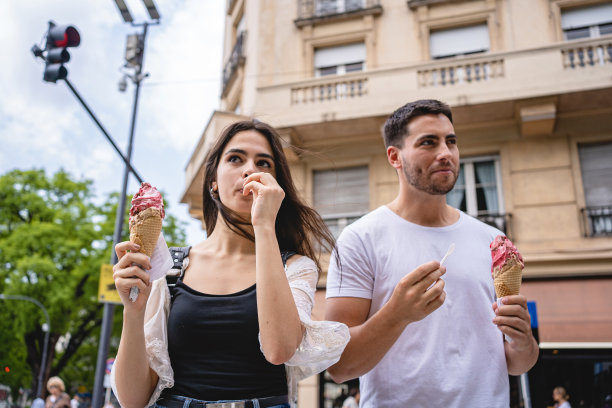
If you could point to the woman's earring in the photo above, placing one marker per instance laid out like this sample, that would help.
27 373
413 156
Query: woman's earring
212 191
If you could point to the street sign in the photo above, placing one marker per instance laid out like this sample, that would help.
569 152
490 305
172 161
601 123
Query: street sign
106 289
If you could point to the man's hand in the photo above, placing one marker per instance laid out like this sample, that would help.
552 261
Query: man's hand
419 293
513 319
415 296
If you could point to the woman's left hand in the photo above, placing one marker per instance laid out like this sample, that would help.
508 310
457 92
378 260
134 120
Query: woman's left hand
267 198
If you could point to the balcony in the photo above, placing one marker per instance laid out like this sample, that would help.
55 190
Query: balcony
342 87
317 11
236 60
597 221
474 80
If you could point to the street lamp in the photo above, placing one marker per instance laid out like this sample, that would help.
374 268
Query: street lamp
134 57
46 327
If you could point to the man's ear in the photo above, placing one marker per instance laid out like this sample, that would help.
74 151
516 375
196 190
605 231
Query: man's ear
393 156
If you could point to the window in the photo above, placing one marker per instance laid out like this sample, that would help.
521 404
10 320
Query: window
596 168
325 7
341 196
459 41
339 60
478 190
587 22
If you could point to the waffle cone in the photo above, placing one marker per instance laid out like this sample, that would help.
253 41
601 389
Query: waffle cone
145 228
507 280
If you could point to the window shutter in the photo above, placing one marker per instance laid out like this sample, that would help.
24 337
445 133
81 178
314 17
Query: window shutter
340 55
342 192
586 16
456 41
596 166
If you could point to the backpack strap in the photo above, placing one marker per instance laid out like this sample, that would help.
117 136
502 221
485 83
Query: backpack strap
285 255
178 255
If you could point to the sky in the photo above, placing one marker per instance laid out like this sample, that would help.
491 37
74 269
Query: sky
43 126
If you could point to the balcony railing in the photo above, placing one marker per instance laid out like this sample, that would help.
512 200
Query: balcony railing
597 220
587 55
499 221
455 73
310 11
336 89
237 58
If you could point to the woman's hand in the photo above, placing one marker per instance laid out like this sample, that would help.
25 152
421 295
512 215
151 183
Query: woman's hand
131 270
267 198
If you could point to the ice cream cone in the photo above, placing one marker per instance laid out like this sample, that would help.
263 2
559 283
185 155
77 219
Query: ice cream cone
507 280
145 228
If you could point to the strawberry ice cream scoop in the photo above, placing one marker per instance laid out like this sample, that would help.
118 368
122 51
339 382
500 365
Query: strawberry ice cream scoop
147 197
502 251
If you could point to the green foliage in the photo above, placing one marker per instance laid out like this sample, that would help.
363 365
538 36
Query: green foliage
53 240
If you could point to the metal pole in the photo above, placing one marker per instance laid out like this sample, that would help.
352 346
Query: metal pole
43 361
525 392
109 308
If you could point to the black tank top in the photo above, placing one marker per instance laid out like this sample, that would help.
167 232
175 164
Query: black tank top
214 347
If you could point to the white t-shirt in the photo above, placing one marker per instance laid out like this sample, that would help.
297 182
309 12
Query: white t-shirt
455 356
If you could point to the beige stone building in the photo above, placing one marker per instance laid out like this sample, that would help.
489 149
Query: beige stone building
530 85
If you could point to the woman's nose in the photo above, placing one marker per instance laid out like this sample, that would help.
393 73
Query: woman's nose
248 170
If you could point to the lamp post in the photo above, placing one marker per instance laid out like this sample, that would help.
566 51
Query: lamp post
134 59
46 328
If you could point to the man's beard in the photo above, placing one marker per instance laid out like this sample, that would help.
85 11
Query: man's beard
418 179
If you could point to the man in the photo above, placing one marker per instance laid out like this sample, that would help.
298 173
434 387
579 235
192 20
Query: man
418 340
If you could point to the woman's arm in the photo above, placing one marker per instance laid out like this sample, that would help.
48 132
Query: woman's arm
279 323
135 380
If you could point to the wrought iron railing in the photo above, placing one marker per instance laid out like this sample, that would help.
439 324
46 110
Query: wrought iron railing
597 220
499 221
312 9
236 59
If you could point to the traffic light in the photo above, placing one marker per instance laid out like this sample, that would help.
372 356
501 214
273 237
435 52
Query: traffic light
58 39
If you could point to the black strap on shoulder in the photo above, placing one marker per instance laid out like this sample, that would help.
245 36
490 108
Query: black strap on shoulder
178 255
285 255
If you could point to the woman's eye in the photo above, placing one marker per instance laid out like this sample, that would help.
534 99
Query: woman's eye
233 159
264 163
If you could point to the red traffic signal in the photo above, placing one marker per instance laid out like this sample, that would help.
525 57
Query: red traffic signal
63 36
58 39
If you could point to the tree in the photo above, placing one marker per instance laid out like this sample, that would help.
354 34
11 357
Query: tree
53 240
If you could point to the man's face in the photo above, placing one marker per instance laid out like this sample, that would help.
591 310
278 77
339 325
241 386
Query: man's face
430 157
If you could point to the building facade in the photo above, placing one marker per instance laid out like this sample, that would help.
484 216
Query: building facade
530 85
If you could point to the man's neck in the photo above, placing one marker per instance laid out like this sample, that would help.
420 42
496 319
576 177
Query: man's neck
424 209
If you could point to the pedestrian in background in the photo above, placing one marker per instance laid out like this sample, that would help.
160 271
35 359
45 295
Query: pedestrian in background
561 398
57 398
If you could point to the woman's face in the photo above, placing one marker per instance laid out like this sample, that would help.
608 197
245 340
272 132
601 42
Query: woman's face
246 153
55 390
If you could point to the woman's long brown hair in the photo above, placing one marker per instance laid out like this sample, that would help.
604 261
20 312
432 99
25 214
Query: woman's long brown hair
299 228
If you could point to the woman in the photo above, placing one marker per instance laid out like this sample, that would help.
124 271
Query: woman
561 398
57 398
237 314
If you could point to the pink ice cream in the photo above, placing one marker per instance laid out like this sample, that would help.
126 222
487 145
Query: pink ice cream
502 250
146 197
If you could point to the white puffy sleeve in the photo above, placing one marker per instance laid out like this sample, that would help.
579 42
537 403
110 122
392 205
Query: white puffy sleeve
156 339
323 341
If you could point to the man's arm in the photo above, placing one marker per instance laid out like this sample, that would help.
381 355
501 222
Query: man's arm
372 338
513 319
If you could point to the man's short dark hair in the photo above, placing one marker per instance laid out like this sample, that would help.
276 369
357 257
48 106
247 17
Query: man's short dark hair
396 126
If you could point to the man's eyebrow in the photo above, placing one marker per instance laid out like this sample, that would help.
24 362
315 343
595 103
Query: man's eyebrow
243 152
